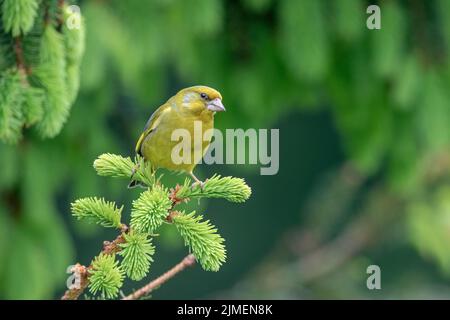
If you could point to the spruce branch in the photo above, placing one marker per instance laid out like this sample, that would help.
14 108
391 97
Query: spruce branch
61 5
47 63
18 16
50 74
98 211
11 99
203 239
74 42
113 165
20 104
137 252
116 166
113 247
229 188
106 276
82 272
33 105
150 209
188 261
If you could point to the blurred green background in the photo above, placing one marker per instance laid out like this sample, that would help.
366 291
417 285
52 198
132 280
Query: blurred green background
364 147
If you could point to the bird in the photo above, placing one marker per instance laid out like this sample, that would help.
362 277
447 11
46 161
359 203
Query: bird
181 111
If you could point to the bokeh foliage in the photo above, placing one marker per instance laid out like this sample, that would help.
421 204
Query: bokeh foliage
384 90
39 67
155 207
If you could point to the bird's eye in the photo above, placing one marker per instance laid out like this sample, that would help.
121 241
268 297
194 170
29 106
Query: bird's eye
204 96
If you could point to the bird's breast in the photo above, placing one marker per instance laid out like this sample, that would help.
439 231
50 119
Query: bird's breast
194 132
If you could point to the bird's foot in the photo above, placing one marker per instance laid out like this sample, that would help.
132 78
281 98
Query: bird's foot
198 183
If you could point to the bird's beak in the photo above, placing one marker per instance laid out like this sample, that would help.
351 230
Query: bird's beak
216 105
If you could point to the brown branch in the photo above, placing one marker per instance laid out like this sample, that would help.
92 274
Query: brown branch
374 224
20 59
60 16
82 272
174 196
145 290
358 235
172 215
113 247
47 18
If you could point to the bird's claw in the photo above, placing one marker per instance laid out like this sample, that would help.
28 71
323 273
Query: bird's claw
198 183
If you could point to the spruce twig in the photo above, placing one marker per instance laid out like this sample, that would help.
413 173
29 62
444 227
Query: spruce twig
188 261
46 62
60 15
82 272
154 207
99 211
229 188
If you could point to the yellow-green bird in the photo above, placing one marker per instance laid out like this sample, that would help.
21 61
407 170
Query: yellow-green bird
198 103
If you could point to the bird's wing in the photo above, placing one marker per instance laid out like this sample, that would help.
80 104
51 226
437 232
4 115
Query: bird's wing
151 125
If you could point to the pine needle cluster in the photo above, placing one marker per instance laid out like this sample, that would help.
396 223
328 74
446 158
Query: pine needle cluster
153 208
39 67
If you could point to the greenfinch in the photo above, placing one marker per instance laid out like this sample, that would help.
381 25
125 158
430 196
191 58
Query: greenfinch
182 111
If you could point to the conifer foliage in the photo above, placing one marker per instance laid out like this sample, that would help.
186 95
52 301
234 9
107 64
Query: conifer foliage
40 57
131 254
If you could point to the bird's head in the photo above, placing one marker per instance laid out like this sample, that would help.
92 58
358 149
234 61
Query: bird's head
199 99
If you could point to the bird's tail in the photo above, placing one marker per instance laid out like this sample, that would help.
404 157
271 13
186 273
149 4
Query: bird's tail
134 183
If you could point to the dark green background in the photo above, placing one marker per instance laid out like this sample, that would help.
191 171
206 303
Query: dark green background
364 147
